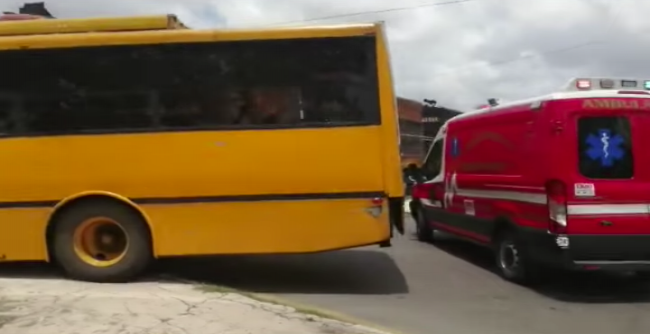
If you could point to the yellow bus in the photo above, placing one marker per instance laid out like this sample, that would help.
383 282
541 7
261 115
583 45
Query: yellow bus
121 145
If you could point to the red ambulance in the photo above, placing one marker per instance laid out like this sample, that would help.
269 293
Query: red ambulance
561 180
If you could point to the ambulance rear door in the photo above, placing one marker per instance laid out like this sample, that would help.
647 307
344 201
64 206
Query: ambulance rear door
609 188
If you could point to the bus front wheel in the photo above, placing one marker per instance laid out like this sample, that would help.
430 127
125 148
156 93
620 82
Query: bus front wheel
101 241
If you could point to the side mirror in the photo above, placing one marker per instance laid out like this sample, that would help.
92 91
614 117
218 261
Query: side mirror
414 174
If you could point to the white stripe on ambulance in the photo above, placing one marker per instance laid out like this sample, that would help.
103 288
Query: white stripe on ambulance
537 198
607 209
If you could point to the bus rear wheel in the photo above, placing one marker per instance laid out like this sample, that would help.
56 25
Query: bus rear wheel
101 241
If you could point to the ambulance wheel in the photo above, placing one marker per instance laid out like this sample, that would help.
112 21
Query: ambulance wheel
512 260
101 241
423 230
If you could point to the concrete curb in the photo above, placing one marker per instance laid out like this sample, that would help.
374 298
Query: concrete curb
322 312
308 310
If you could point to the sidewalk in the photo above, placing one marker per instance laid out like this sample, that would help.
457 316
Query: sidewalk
55 306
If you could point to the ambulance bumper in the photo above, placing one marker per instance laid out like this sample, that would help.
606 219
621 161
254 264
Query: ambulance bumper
591 252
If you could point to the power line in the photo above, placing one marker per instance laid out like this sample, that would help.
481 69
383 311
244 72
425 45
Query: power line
512 60
379 11
445 3
614 11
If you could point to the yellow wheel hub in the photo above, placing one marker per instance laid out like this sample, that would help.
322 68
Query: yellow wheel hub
100 242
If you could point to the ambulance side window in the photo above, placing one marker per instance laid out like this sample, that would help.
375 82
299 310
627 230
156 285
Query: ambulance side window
433 164
605 147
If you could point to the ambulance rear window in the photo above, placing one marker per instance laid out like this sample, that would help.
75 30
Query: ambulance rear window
605 147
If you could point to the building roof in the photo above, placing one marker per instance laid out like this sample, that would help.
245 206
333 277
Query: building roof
408 109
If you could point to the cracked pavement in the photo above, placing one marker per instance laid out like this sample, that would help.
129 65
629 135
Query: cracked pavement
54 306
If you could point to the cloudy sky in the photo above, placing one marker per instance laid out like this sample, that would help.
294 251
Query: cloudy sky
458 52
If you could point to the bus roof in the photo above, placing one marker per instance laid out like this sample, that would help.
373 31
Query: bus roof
70 26
152 30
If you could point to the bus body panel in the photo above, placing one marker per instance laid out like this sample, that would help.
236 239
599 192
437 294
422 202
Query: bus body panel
200 167
193 164
266 227
50 41
223 228
391 163
288 189
36 25
24 239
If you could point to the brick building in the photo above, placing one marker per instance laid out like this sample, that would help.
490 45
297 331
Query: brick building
410 126
419 124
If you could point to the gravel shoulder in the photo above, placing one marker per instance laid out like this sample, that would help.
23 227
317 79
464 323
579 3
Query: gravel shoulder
44 306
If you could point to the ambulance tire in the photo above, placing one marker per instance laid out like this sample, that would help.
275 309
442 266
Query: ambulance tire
423 231
513 263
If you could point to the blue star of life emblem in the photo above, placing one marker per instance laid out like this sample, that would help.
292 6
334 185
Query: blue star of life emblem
605 148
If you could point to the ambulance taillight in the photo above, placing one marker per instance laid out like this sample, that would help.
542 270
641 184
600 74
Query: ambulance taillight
557 206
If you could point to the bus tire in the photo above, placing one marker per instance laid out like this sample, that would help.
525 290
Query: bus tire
101 241
512 260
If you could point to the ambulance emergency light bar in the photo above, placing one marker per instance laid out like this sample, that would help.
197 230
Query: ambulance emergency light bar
583 84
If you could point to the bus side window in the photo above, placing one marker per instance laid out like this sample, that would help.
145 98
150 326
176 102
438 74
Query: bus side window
267 83
7 119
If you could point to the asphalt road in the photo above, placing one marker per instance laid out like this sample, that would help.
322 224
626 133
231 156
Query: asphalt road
419 288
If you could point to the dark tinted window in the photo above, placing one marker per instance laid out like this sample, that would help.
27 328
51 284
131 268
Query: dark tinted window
8 110
605 147
433 163
328 81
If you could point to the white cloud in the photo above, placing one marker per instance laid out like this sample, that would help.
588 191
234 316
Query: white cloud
459 54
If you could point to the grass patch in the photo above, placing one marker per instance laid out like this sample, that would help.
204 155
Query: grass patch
306 310
209 288
310 312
